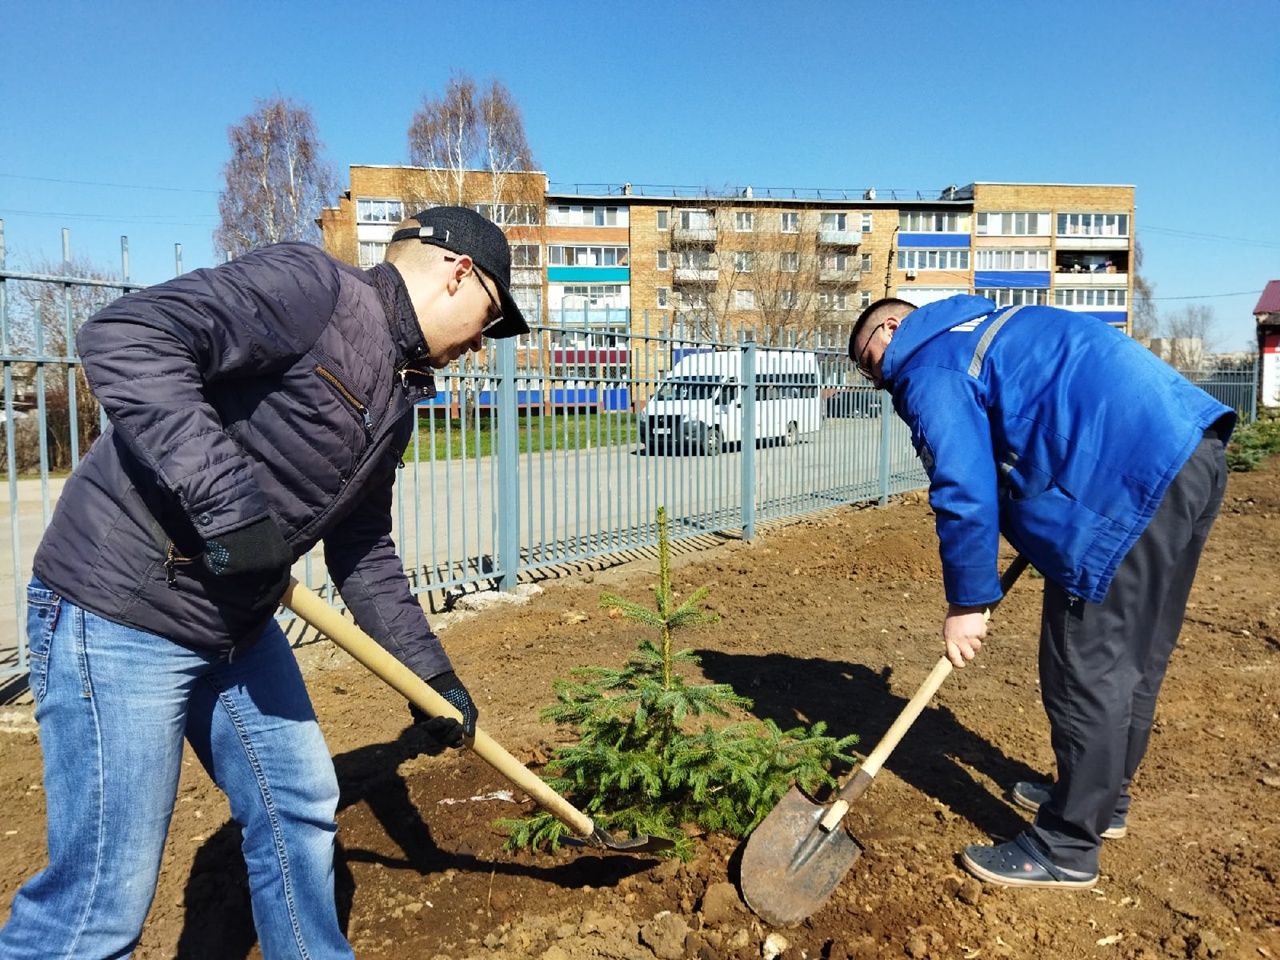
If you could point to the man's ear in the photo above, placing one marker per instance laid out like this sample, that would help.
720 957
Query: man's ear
460 266
892 323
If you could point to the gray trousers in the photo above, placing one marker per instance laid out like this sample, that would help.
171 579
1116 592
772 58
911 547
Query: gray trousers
1101 664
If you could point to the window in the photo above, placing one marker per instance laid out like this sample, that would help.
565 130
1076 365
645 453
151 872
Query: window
864 299
1091 297
696 220
572 215
592 295
789 262
379 211
526 255
664 259
508 214
787 299
743 262
835 221
695 260
529 299
372 252
866 223
835 262
1014 297
791 222
1093 224
744 221
744 299
663 295
1013 224
1012 259
833 301
922 295
662 218
564 256
866 262
924 221
945 259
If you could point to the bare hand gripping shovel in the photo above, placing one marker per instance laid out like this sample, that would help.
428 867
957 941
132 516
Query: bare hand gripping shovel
364 648
801 851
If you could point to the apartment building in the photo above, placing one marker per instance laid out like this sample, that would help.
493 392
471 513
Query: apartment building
782 264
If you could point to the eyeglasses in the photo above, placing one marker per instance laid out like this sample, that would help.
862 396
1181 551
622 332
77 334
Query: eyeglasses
496 317
861 360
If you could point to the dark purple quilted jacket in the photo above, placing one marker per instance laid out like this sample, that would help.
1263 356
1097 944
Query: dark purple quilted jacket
267 385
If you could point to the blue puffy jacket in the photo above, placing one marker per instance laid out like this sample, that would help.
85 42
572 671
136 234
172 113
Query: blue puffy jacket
1048 426
274 385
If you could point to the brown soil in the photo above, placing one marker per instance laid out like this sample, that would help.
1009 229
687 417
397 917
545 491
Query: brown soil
832 619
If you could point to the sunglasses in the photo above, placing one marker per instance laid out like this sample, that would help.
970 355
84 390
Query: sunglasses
860 361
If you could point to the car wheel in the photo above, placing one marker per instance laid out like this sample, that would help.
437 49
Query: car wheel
713 443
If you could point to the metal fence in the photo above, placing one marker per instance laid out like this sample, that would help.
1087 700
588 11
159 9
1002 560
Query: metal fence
546 451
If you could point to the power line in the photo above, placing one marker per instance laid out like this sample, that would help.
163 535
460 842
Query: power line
99 183
160 219
1193 235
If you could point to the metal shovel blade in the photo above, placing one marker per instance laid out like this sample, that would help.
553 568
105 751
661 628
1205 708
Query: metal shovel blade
791 864
607 841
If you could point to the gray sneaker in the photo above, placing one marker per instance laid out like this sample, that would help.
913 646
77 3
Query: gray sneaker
1030 796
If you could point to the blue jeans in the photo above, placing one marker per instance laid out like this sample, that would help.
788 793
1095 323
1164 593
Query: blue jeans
114 704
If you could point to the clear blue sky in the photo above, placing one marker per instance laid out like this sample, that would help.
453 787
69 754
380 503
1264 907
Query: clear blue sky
113 116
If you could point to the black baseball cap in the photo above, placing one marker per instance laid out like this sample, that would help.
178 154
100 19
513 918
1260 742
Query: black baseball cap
465 232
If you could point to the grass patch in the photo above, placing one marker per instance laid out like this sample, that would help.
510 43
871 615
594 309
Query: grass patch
448 438
1252 443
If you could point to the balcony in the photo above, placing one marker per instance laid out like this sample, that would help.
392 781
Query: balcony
696 275
1091 242
847 275
831 237
1098 279
526 277
695 235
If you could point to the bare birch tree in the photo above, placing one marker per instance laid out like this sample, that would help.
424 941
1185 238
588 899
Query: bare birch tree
1145 319
276 180
469 128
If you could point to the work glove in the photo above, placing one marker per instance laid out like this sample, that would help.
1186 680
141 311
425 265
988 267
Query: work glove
447 730
258 548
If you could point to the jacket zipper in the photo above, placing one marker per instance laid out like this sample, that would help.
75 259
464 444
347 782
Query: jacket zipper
347 395
171 560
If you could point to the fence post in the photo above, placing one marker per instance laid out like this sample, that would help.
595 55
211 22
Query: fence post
507 465
885 406
748 395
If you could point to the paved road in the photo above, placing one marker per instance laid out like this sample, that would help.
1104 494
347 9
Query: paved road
572 504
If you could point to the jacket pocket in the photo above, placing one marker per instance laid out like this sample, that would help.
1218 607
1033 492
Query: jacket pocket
43 609
357 406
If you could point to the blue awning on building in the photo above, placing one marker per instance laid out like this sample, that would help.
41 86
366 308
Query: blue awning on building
934 240
1011 279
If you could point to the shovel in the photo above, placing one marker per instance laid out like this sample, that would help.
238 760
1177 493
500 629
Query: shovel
364 648
801 851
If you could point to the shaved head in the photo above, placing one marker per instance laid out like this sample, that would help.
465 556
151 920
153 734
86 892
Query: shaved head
874 315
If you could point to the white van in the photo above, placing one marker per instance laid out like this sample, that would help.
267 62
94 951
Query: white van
698 405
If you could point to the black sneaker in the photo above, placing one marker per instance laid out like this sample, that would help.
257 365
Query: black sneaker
1030 796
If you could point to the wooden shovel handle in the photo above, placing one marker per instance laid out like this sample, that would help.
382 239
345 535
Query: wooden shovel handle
869 767
365 649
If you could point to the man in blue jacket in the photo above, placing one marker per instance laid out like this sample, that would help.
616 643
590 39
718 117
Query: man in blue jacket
1105 469
256 409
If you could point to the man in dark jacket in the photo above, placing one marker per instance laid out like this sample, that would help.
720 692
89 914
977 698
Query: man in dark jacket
256 409
1105 469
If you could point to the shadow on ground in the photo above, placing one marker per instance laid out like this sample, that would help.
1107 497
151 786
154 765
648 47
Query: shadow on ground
936 755
218 924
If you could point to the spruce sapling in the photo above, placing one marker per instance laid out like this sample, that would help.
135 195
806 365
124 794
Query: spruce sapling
638 765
